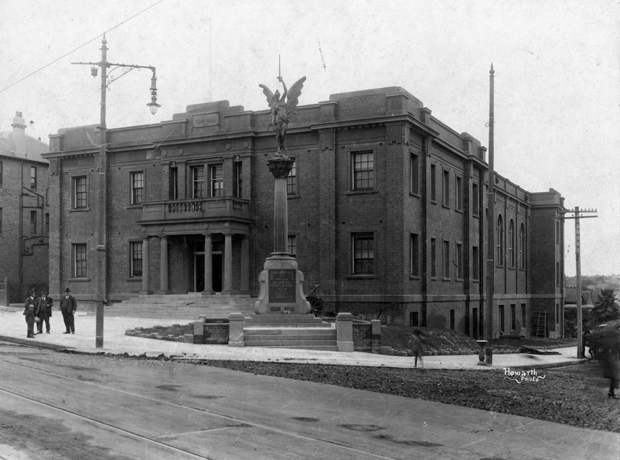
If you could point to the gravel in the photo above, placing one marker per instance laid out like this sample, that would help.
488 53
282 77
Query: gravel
573 395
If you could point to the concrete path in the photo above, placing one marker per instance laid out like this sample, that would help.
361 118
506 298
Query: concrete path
13 328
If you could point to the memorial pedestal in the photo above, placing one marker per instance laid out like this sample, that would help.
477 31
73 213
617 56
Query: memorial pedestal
281 287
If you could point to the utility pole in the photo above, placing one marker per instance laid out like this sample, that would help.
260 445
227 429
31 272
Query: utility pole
101 278
577 215
490 292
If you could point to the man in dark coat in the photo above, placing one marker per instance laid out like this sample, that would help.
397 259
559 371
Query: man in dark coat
68 307
44 305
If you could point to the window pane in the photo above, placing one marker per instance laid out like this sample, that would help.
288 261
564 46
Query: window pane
198 173
137 187
363 253
80 199
217 180
292 246
291 181
136 258
363 170
79 251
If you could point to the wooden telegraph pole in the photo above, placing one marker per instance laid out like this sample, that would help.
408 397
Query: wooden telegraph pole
490 291
577 215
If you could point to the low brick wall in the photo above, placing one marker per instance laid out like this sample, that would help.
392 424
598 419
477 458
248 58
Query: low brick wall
364 339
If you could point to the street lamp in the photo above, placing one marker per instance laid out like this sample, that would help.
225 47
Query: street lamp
101 217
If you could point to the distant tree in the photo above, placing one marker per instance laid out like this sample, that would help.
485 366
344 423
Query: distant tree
606 307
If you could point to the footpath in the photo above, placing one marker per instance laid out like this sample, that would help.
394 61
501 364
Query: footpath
115 342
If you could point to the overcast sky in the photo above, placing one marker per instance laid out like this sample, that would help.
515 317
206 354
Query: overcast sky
557 80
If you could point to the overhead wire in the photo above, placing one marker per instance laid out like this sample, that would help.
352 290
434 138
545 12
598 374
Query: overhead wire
81 46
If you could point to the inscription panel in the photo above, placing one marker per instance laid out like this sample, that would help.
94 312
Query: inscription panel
282 285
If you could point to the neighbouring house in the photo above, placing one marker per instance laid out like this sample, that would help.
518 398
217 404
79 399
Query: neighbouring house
24 211
387 213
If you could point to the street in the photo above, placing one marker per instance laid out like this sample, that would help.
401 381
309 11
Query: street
72 406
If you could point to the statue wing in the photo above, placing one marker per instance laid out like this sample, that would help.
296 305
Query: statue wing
271 100
293 97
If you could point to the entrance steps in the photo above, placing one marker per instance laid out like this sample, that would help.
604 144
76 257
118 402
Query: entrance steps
289 331
190 306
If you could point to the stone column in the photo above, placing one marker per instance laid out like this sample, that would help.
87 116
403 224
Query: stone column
245 265
208 265
163 269
228 265
280 168
344 332
146 278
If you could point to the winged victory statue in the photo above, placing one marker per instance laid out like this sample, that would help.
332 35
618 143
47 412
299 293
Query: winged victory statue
283 109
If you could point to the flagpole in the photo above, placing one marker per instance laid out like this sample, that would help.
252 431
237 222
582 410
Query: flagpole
488 317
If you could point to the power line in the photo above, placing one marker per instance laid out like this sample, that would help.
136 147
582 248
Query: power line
81 46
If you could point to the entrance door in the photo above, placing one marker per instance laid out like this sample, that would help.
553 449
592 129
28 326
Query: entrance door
199 271
217 270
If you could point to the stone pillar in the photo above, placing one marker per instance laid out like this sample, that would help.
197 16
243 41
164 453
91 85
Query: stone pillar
228 264
245 265
208 290
235 329
146 265
280 168
163 269
375 325
344 332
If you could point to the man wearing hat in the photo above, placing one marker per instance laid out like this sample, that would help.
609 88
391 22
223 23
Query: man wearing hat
68 307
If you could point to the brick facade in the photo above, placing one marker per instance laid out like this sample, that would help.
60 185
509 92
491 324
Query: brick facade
383 189
24 211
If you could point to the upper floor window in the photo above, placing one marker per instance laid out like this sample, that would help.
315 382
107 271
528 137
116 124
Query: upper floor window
459 194
557 232
363 170
433 258
216 175
237 179
522 246
414 172
511 243
446 259
475 198
415 255
173 183
446 188
47 224
1 173
198 180
33 222
500 241
80 266
33 177
459 260
0 221
135 258
433 183
137 187
475 263
80 192
363 253
291 181
291 244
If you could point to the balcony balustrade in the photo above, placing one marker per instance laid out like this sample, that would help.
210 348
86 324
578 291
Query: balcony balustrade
197 208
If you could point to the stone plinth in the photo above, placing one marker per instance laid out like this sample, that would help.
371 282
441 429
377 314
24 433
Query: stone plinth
281 287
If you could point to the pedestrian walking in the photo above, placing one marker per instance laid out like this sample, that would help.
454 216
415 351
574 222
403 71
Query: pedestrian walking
611 368
415 345
44 305
30 314
68 307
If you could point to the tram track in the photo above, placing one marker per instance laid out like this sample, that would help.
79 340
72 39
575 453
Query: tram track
231 421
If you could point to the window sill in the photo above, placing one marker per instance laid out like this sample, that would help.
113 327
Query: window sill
414 277
460 211
433 201
361 277
293 197
362 192
133 206
417 195
79 280
446 279
79 209
459 280
433 278
445 206
136 279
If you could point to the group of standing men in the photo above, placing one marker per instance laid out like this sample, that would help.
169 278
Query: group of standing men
38 310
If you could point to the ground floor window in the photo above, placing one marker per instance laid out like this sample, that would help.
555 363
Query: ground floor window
80 261
135 259
363 253
413 319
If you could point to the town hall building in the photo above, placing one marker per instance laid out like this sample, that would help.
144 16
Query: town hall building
387 213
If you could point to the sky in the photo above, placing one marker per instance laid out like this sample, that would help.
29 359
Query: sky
557 75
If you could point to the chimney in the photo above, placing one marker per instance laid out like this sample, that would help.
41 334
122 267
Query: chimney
19 134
